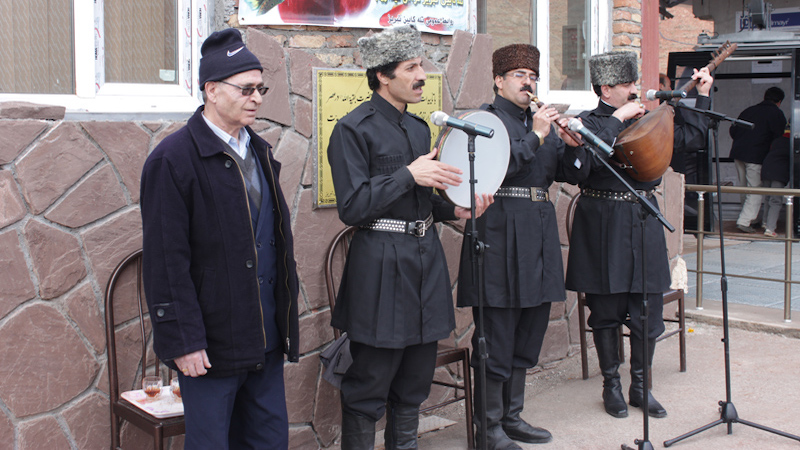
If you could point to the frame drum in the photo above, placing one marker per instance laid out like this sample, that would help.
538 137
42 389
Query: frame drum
491 157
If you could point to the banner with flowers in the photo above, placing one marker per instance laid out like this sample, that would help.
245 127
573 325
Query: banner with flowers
431 16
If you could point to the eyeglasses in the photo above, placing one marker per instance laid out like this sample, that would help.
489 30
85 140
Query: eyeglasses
520 75
248 91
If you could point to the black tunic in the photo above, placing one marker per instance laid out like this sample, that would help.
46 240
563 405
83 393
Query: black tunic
522 265
395 289
605 252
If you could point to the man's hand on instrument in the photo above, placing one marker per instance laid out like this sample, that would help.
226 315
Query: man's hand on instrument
481 203
193 364
630 110
428 171
704 81
543 118
566 137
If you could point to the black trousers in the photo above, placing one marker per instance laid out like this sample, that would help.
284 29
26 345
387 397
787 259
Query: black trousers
612 310
378 375
514 338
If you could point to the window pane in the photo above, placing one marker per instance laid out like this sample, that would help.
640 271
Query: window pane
141 43
36 55
509 21
569 27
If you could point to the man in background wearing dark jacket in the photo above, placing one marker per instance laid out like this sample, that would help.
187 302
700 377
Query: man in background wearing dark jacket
219 270
750 146
775 174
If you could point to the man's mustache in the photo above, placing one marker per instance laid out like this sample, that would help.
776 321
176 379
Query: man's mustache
633 97
527 87
418 84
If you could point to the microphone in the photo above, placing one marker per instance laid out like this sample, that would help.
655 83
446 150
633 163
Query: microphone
440 119
576 126
653 94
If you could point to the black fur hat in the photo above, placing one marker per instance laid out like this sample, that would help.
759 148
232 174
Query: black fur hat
515 56
391 45
613 68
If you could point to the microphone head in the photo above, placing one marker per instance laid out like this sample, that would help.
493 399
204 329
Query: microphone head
575 124
438 118
650 95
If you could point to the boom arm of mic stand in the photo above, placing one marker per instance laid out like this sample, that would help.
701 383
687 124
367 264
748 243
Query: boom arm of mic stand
713 115
652 210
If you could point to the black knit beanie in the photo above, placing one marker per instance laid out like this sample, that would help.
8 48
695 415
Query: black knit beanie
223 54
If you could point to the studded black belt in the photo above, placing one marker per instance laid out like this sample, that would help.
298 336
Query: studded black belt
617 196
416 228
534 194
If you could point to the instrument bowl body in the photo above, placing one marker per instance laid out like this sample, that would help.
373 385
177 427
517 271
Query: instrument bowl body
645 148
491 157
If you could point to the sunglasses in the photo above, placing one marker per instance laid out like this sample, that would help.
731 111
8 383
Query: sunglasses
248 91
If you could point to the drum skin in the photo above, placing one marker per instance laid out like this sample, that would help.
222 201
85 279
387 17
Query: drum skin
645 147
491 157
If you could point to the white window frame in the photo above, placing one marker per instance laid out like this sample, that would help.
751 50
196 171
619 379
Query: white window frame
600 42
93 95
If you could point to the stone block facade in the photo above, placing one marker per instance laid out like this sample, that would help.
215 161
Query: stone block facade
69 193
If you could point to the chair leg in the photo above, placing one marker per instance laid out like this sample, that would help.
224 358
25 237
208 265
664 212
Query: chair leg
158 439
468 399
582 328
115 426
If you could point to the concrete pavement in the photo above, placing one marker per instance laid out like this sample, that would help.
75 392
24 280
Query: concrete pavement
764 390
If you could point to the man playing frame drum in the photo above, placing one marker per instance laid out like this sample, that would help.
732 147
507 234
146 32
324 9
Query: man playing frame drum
522 266
394 300
605 254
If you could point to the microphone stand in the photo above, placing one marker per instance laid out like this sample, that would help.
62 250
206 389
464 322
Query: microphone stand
646 208
476 256
728 414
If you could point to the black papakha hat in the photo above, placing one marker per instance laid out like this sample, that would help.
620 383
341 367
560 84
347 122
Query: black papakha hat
223 54
613 68
515 56
391 45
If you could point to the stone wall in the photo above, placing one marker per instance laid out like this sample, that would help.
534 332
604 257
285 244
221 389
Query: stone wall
69 213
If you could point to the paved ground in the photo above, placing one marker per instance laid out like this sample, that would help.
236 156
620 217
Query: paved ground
764 360
764 390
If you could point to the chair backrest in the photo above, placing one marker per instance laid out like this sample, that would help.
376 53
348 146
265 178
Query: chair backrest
334 262
571 213
135 360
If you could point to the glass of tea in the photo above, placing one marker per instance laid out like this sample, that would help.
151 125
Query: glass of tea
176 388
151 386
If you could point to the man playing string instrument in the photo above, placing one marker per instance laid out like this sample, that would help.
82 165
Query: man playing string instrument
605 252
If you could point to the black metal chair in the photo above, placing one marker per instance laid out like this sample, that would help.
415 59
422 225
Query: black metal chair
334 263
120 408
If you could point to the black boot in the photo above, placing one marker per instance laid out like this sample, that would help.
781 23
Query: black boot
358 432
402 422
496 438
636 392
513 401
606 341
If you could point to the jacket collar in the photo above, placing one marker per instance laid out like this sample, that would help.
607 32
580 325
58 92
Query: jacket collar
512 109
604 109
209 144
386 108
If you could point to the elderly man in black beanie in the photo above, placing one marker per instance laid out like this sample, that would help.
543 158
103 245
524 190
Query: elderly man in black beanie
394 300
523 269
219 270
605 252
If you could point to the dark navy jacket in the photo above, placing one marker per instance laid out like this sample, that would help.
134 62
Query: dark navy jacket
200 262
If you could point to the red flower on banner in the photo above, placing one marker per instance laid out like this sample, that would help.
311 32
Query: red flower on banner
319 11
